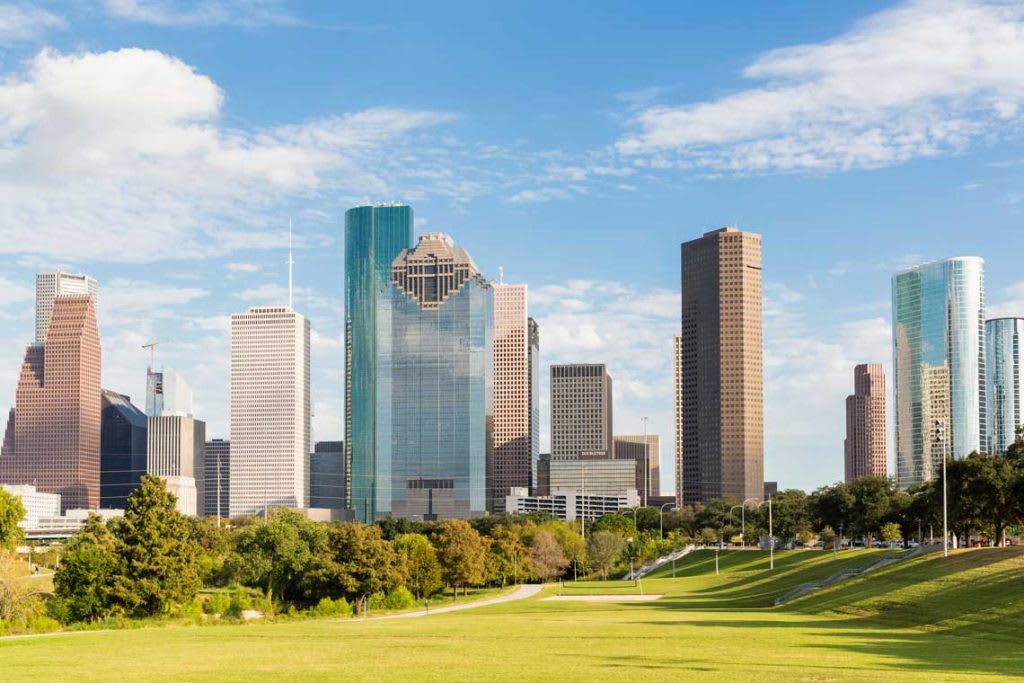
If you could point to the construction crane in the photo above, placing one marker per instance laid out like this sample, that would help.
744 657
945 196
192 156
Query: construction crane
152 352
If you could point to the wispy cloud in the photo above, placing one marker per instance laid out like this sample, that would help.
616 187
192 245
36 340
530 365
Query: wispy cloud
22 21
929 77
202 12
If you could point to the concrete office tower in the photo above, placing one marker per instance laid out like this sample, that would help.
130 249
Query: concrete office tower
645 449
865 452
57 409
374 237
216 478
938 364
434 393
270 410
167 393
1004 338
122 449
722 373
677 397
327 475
175 451
603 477
581 412
514 452
49 286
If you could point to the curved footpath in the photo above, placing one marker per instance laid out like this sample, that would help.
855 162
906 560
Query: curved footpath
525 591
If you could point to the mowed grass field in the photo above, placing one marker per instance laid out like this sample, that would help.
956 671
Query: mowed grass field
924 619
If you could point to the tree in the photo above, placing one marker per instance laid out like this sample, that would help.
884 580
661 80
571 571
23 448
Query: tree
419 563
790 515
546 555
831 506
604 549
355 562
156 553
616 522
891 532
462 553
872 500
12 511
506 554
272 555
986 483
82 584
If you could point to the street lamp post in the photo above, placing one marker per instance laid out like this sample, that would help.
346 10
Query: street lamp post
940 442
661 520
647 463
771 533
730 514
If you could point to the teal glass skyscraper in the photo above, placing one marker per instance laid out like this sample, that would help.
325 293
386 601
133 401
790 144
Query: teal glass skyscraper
938 365
434 393
1005 374
374 237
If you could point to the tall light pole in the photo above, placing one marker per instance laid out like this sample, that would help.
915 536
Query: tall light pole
771 534
940 442
730 514
661 520
743 511
647 462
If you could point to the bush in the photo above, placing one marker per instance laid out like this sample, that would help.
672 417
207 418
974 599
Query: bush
400 598
240 601
219 603
377 601
332 608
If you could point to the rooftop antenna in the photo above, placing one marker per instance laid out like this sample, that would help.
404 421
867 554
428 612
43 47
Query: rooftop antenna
291 262
152 352
501 275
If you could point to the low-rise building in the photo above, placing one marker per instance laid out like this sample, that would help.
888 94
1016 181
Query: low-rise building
570 505
597 476
38 505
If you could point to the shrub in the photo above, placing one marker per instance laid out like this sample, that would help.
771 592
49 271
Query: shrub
240 601
219 603
400 598
332 608
377 600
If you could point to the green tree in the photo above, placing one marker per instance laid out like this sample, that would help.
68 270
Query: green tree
506 554
790 514
891 532
872 500
987 484
546 555
605 549
462 553
12 511
831 506
616 522
419 563
82 584
156 553
355 563
273 555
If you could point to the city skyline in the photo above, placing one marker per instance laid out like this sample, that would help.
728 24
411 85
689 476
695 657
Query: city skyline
826 296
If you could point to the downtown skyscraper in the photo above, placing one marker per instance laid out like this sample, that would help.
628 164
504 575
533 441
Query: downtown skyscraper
864 450
49 286
516 341
56 435
581 412
721 380
434 394
1004 372
374 237
938 365
268 464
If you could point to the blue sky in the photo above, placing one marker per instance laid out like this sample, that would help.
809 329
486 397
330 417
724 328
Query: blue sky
160 146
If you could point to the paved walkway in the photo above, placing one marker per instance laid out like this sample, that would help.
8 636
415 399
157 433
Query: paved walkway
525 591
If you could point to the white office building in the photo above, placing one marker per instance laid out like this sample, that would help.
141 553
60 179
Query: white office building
570 505
175 451
51 285
270 410
38 505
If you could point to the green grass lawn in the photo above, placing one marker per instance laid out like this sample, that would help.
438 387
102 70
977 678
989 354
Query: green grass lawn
924 619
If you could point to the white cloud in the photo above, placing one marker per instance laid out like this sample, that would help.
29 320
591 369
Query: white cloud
541 194
273 295
14 293
926 78
202 13
21 22
1011 305
242 267
131 143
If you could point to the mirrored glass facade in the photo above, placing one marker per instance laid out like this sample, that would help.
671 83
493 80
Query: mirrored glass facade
938 364
433 399
1005 376
374 237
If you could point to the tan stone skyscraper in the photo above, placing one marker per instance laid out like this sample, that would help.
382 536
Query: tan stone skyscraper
56 444
722 368
865 445
581 412
511 461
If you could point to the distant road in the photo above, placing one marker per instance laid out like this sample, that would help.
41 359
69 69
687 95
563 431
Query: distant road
525 591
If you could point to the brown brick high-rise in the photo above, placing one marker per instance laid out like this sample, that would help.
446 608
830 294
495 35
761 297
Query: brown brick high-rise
57 409
721 369
865 445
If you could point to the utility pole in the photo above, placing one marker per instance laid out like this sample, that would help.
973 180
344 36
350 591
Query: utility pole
940 442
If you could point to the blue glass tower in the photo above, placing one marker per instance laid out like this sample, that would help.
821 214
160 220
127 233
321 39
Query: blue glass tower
938 365
434 385
1005 375
374 237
